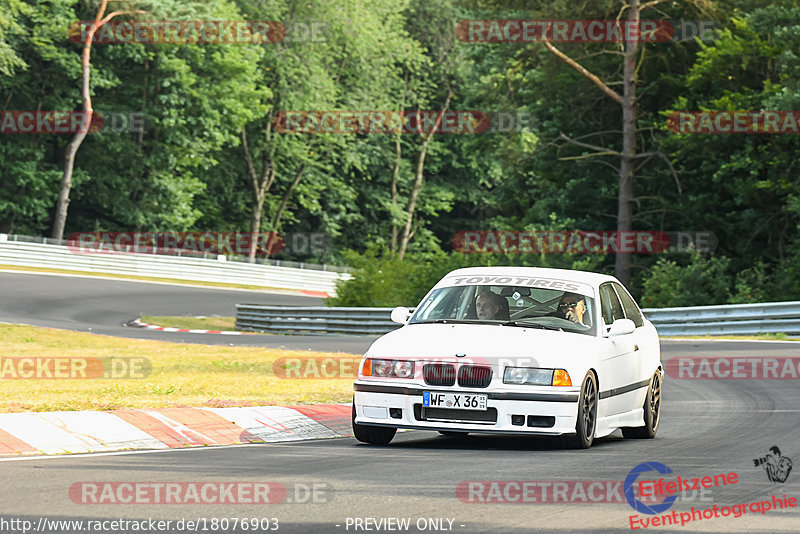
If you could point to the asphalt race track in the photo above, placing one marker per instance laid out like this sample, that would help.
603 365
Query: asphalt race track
708 427
101 306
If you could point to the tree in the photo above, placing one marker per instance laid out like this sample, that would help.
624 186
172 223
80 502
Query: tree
101 18
10 35
630 106
337 71
431 23
745 187
405 236
29 164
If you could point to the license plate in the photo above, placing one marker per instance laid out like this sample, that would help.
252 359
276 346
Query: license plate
456 401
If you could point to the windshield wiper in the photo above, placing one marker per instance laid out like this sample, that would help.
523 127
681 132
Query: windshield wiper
455 321
525 324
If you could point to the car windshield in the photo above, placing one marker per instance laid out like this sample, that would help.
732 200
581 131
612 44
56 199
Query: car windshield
511 306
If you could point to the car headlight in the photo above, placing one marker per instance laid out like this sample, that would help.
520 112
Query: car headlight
388 368
404 369
536 377
381 368
528 375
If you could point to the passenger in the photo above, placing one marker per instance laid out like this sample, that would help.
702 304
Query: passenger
491 306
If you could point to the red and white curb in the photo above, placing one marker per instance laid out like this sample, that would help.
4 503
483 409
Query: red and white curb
310 293
136 323
33 433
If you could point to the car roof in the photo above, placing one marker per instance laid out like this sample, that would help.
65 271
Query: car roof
586 277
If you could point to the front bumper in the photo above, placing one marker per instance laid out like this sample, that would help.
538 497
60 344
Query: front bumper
395 405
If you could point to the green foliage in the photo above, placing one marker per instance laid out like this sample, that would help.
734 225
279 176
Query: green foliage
703 281
379 280
10 36
382 280
752 285
26 194
187 170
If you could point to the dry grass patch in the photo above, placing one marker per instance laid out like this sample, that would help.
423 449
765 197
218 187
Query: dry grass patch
182 374
194 323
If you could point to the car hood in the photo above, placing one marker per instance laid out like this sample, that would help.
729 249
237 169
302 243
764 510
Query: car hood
482 343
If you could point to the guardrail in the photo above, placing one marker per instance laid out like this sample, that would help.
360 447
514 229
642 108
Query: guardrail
174 267
313 319
744 319
186 254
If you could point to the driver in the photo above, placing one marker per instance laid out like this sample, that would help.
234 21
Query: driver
572 307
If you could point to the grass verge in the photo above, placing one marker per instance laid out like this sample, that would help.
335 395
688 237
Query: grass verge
182 374
194 323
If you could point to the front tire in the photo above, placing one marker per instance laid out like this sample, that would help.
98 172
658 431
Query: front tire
652 412
587 415
374 435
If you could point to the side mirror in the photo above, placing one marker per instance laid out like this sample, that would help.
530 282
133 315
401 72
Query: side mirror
401 315
620 327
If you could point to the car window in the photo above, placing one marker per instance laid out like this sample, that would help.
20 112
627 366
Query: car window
526 306
443 303
632 311
610 305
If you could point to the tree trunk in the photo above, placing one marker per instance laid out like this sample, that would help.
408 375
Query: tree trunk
60 218
622 265
299 176
395 172
622 261
62 204
255 227
285 202
261 184
412 202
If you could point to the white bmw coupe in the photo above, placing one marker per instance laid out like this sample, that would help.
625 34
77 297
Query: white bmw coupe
514 350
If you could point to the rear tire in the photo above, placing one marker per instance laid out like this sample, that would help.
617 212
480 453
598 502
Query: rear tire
587 415
652 412
374 435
